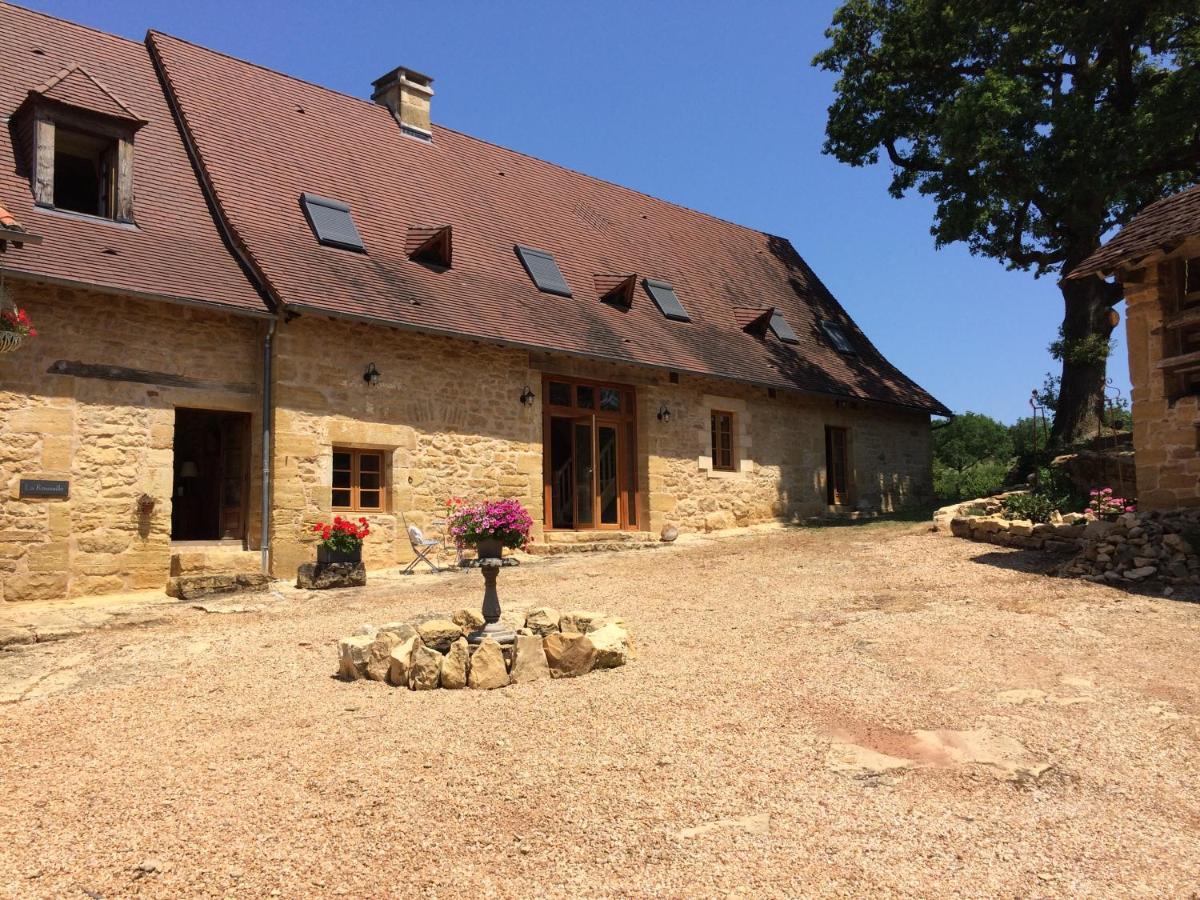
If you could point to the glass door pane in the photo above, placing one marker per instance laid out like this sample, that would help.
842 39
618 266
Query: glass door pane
585 489
607 482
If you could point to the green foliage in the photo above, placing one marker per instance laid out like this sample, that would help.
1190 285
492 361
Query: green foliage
1086 351
1022 434
979 480
1034 507
1019 119
971 438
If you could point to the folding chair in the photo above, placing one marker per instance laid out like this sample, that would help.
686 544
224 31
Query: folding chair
421 546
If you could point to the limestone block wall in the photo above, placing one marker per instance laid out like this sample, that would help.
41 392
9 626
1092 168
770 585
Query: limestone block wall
112 440
445 412
779 447
1166 436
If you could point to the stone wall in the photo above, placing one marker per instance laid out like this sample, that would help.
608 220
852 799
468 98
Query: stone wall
112 440
446 414
1166 435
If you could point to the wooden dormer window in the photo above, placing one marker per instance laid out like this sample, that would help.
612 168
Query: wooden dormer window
79 139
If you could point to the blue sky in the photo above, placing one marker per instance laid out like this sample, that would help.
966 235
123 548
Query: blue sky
713 105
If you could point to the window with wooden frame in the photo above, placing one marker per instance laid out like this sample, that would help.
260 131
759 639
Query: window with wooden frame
1181 328
358 484
722 441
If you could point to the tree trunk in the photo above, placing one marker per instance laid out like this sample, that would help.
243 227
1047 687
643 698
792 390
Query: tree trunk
1087 303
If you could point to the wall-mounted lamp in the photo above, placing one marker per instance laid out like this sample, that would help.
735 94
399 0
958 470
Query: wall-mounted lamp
664 414
371 376
527 396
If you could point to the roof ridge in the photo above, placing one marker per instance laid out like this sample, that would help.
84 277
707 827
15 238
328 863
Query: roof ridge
62 21
370 103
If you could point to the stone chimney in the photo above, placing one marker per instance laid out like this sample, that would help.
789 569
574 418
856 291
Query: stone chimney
407 94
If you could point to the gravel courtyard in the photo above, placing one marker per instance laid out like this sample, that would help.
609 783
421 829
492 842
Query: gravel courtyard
869 710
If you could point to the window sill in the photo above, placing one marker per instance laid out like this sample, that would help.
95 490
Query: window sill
85 217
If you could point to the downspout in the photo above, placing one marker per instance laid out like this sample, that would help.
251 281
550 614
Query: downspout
265 537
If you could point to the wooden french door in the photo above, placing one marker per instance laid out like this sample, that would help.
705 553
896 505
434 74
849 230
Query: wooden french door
590 449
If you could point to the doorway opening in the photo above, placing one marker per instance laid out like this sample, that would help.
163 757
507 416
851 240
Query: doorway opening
837 466
211 478
590 452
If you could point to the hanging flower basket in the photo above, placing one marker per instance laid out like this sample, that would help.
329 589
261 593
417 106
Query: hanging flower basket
15 326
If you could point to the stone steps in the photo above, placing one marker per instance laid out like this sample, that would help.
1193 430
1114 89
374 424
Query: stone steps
608 543
205 570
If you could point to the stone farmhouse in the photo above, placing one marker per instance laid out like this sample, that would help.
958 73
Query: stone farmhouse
261 302
1156 257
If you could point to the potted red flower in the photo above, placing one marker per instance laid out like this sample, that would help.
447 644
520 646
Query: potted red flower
341 540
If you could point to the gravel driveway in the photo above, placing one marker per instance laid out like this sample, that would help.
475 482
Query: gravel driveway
870 710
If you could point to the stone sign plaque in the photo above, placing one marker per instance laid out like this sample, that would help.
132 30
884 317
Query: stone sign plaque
50 490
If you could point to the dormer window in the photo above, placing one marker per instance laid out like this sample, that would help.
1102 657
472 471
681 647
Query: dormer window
82 146
85 173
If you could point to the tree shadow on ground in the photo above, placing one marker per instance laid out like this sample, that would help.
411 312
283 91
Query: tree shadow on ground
1036 562
914 515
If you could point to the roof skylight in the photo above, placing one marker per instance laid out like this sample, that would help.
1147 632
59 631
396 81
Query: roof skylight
543 271
836 336
664 298
331 223
782 329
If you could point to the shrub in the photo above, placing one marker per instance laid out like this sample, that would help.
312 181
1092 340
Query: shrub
979 480
1034 507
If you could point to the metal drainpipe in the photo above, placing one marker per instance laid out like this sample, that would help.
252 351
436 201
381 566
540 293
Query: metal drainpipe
265 538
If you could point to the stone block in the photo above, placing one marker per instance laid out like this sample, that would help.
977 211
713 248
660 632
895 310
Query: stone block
577 620
324 576
529 659
488 670
542 620
455 665
612 646
569 655
439 633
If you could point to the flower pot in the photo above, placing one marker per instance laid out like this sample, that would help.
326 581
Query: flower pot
10 341
489 548
326 555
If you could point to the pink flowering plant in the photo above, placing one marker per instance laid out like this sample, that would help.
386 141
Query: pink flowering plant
506 521
1103 505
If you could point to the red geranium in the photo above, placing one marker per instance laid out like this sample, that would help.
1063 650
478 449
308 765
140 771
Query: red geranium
18 321
342 535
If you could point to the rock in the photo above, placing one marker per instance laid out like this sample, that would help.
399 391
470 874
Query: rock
487 667
197 587
1021 696
612 646
425 668
529 660
323 576
862 762
542 620
1003 756
379 660
353 655
400 661
439 633
1021 527
1177 543
569 654
759 823
1141 572
455 664
467 619
403 628
578 620
668 534
960 526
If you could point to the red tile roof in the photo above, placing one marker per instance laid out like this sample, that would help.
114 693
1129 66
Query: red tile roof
175 249
8 220
264 138
1158 227
75 87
